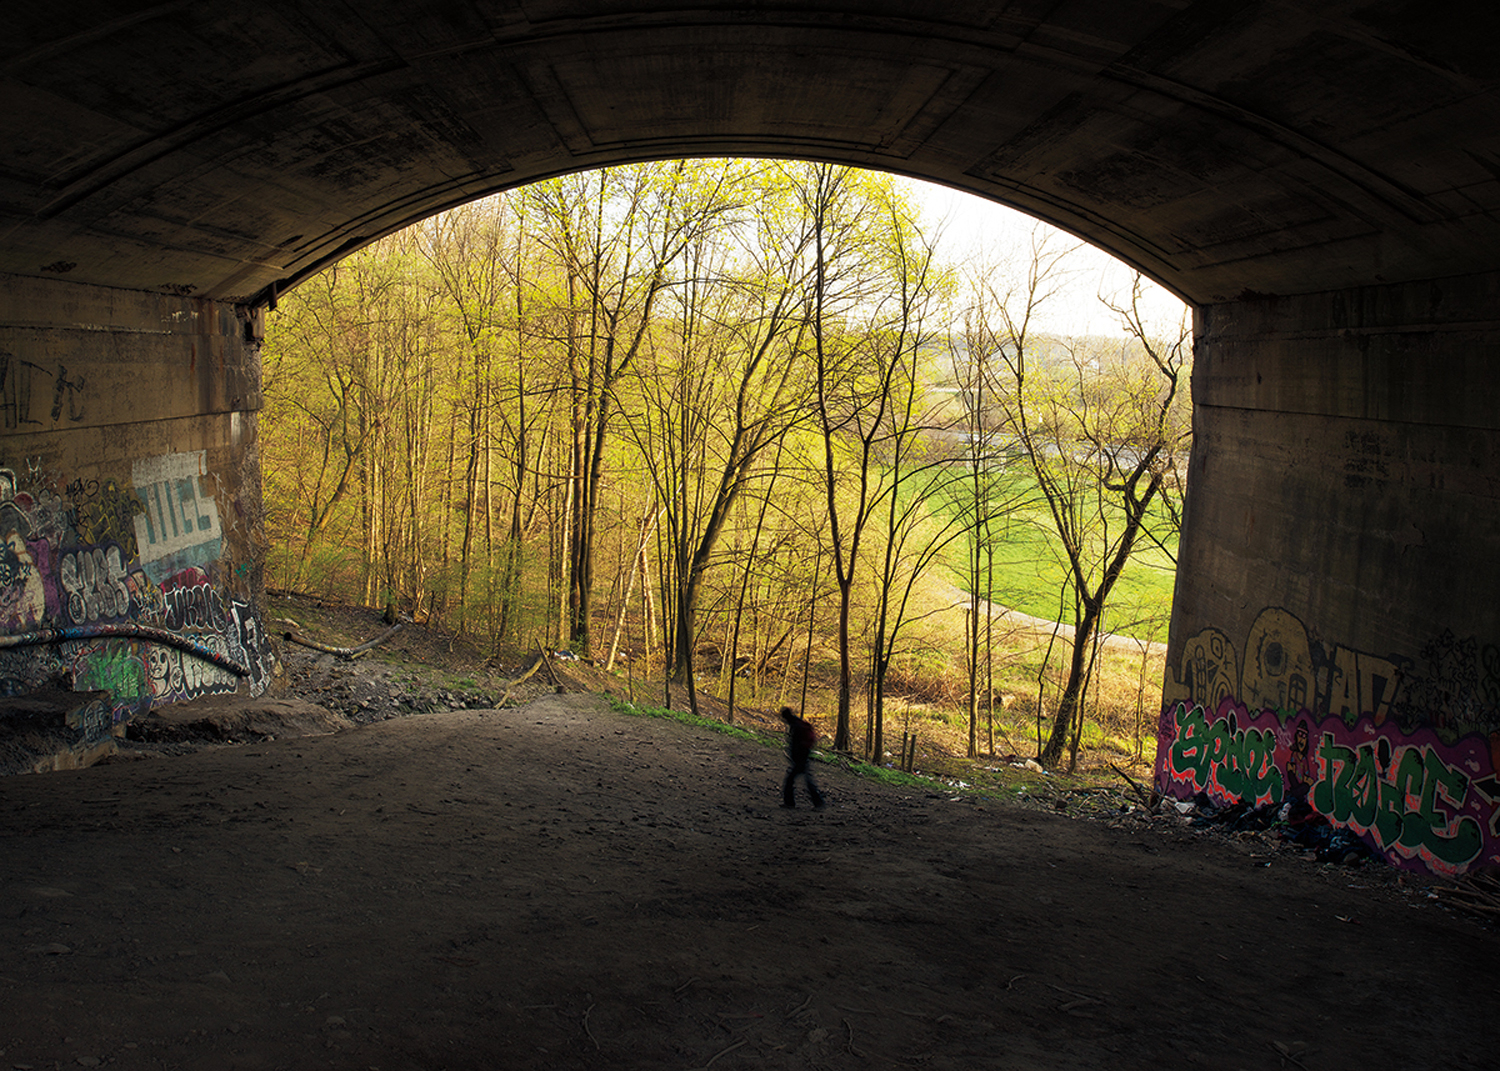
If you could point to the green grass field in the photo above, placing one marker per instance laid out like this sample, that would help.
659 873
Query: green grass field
1030 567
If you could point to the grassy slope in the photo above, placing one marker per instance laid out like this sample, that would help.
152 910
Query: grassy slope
1030 569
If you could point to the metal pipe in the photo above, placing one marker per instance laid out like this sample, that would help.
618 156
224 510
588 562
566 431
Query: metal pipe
74 633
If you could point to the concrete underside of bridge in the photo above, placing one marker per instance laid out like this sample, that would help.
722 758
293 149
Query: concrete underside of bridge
1319 180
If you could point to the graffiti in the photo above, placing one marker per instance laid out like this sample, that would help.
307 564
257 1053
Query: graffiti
40 516
94 720
1225 763
1361 683
178 524
1405 798
101 577
146 598
94 580
1279 673
26 669
33 395
105 513
246 631
1402 752
176 676
192 608
1408 797
23 587
1453 687
1210 669
112 666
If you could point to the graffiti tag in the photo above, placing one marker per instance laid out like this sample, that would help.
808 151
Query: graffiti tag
1225 763
1400 802
178 523
24 384
94 581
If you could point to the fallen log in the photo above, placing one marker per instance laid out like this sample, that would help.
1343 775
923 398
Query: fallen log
345 653
536 664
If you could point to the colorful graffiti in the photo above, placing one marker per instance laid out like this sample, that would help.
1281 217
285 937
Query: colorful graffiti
1403 753
177 526
109 587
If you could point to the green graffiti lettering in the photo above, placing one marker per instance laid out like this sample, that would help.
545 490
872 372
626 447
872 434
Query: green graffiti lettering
1411 777
1466 839
1260 755
1219 743
1188 750
1405 808
1364 789
1390 823
1232 776
1242 763
1331 793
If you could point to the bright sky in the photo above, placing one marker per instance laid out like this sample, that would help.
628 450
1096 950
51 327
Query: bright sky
973 225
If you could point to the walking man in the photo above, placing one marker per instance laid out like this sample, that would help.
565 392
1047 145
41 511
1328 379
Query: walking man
800 738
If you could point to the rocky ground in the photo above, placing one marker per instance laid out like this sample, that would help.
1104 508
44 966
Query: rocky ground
388 872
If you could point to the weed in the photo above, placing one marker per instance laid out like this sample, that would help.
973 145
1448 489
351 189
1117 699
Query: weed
645 710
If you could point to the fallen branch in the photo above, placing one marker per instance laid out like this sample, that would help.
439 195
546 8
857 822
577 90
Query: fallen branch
589 1032
1478 893
550 671
541 658
345 653
1139 791
1286 1053
849 1045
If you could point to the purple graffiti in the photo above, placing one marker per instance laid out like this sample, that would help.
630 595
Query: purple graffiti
1421 802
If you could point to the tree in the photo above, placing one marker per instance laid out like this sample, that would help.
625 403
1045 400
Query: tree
852 377
1102 434
715 396
913 464
616 235
465 249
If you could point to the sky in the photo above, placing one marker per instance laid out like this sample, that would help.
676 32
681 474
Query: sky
973 225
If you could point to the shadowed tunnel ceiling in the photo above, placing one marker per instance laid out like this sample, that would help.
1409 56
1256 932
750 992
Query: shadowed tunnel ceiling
221 148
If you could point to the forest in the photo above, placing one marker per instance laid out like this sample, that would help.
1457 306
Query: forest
742 424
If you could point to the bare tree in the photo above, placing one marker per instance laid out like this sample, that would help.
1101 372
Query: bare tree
1102 434
714 399
617 235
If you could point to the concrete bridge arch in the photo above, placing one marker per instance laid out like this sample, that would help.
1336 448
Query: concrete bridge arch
1319 180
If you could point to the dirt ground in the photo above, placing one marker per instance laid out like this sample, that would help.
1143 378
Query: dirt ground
558 885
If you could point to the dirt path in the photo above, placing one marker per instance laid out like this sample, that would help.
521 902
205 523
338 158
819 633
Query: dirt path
561 886
1043 627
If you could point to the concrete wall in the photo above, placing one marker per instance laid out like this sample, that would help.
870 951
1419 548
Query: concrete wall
1336 633
130 509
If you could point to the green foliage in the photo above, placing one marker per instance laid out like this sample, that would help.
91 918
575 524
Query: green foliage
885 774
716 387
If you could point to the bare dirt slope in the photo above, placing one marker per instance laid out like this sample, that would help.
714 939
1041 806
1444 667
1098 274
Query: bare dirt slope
563 886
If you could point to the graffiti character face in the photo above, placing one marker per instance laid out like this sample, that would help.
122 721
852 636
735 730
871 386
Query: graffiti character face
159 669
15 560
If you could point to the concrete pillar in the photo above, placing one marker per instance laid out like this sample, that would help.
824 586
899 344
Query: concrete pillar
1336 631
130 510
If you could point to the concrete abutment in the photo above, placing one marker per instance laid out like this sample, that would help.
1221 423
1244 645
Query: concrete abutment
1342 522
130 507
